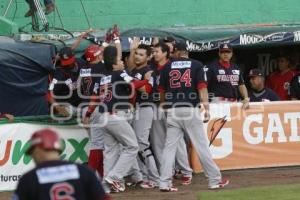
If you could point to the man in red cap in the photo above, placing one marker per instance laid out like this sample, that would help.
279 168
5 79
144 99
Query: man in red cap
53 178
63 93
87 76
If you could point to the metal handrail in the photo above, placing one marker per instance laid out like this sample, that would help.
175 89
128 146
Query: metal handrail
41 14
7 8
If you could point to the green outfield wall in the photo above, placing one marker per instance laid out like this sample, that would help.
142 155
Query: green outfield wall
80 15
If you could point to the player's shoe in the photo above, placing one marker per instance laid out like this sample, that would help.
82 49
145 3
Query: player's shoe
168 189
221 184
186 180
148 185
116 186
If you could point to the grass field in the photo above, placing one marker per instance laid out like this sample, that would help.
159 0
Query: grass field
278 192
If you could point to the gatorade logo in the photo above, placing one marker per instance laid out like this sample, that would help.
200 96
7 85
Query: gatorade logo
259 128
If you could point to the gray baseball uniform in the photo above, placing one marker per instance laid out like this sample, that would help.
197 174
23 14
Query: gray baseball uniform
114 92
193 126
185 77
142 124
158 139
118 160
96 136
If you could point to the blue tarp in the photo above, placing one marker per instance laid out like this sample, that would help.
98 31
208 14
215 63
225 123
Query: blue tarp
24 70
203 39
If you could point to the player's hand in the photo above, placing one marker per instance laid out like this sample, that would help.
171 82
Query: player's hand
115 32
245 103
119 66
148 75
108 36
206 116
9 117
86 121
135 43
62 111
86 33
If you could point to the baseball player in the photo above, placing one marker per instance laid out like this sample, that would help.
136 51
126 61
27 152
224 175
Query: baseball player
258 92
182 85
113 91
225 79
161 55
87 77
53 178
144 115
63 87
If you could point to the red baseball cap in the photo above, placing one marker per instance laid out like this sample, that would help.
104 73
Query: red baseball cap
46 139
67 56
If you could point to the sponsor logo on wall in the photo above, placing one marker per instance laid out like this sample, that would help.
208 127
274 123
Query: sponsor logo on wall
191 46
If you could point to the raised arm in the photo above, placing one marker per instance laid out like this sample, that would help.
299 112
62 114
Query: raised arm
133 46
80 38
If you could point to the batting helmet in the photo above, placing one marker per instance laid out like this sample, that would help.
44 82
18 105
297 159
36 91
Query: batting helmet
92 52
46 139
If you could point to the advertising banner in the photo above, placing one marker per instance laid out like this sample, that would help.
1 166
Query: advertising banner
266 135
14 142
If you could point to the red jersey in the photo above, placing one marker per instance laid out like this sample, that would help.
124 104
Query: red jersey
280 83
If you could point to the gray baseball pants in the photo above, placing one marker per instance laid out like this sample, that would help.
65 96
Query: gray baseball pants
186 120
120 145
158 138
142 124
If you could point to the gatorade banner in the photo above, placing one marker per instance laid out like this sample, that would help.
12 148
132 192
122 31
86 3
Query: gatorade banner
266 135
14 142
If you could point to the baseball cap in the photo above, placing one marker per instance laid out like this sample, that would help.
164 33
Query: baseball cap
67 56
225 47
180 46
255 72
169 39
46 139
